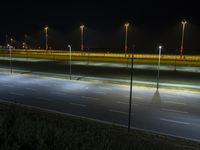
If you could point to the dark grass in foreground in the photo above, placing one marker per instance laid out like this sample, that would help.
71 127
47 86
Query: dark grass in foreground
23 128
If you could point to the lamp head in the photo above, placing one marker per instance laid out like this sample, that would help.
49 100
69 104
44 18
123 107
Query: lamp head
82 26
127 25
184 22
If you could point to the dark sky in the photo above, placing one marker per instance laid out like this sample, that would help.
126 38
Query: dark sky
150 18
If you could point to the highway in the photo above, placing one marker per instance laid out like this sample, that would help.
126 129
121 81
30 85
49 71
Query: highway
168 112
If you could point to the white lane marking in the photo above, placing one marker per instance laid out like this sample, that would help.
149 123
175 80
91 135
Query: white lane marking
64 90
173 96
137 98
116 111
6 85
104 93
60 93
9 98
126 103
91 98
75 104
105 88
86 88
172 110
128 96
43 98
174 121
17 94
44 85
31 89
172 102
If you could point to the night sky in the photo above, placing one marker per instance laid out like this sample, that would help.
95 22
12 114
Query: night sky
153 23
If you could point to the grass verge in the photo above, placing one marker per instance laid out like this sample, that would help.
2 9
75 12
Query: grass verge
33 129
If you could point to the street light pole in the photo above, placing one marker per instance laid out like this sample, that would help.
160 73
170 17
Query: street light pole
158 76
10 51
70 58
131 91
184 22
6 39
25 40
175 64
126 37
46 35
82 37
25 46
11 42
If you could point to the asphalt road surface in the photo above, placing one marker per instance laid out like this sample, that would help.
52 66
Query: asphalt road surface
169 112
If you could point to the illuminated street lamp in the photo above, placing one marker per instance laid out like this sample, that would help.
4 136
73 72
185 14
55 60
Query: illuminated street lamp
24 45
183 22
46 35
12 43
158 77
82 32
126 37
